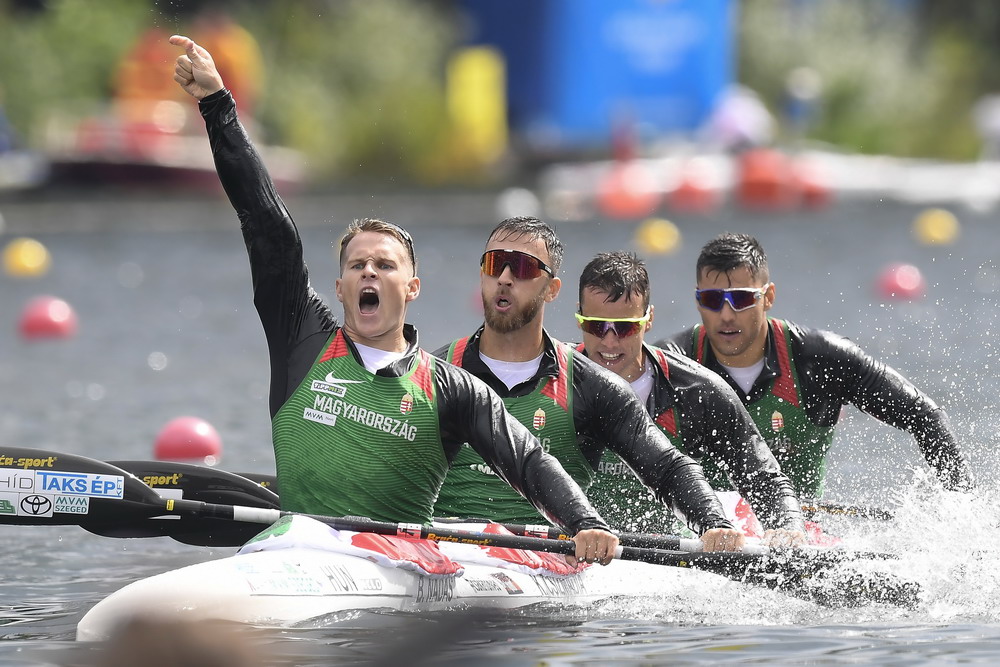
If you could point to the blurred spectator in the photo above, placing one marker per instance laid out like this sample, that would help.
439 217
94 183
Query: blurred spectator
6 131
740 121
803 86
986 115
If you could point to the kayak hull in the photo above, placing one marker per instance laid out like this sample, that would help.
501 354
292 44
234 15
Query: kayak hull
292 587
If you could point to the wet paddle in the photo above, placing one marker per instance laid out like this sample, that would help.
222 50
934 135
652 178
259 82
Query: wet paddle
63 489
811 506
195 482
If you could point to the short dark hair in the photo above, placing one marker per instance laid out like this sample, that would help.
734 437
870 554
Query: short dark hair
533 228
617 273
728 252
380 227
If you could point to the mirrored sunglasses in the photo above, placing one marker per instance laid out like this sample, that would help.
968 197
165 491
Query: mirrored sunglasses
622 326
522 265
739 298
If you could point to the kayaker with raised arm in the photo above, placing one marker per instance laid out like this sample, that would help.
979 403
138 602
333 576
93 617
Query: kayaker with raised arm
362 418
573 406
695 409
794 380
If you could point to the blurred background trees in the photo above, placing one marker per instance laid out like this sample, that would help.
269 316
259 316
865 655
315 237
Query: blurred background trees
358 86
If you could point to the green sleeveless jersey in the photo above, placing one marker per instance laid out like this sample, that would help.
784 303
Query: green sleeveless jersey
621 497
472 489
349 442
799 445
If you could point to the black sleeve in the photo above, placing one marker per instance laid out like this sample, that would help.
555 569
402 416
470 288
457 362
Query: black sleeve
472 412
715 423
608 413
838 368
680 343
296 321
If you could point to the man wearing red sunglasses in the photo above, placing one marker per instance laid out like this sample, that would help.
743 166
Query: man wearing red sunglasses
695 409
364 421
574 407
794 380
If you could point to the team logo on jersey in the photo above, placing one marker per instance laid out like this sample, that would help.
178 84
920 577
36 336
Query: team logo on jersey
333 385
406 404
538 421
777 421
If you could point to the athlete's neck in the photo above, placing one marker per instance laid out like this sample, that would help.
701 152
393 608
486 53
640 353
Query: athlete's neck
745 359
524 344
390 341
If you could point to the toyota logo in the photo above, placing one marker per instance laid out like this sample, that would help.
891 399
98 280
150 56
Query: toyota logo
35 505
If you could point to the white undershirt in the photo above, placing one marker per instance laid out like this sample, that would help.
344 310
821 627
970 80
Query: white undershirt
512 373
643 384
374 358
746 376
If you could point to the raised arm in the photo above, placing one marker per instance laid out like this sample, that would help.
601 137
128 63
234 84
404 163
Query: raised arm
195 70
290 310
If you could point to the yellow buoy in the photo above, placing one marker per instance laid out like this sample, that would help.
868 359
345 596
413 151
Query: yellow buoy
936 226
26 258
658 237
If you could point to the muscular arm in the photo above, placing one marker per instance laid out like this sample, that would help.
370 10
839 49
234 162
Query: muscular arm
839 372
608 413
471 412
296 321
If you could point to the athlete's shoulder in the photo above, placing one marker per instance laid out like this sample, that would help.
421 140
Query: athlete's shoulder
686 372
681 342
821 343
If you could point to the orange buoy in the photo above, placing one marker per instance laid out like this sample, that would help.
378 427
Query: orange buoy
764 180
901 281
694 192
628 191
812 185
47 317
188 439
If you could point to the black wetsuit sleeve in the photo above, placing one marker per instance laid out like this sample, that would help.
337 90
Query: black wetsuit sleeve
607 413
715 425
838 371
470 411
680 343
296 321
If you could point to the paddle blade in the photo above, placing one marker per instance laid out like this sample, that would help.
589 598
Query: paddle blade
193 482
827 577
200 483
38 487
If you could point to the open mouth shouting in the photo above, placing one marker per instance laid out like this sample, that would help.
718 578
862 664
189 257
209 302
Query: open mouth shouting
610 360
368 300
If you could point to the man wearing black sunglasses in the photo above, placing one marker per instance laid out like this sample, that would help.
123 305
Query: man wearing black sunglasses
695 409
575 408
794 380
364 421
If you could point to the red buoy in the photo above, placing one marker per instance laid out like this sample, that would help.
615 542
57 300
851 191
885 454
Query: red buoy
47 317
628 191
764 180
901 281
188 439
694 192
